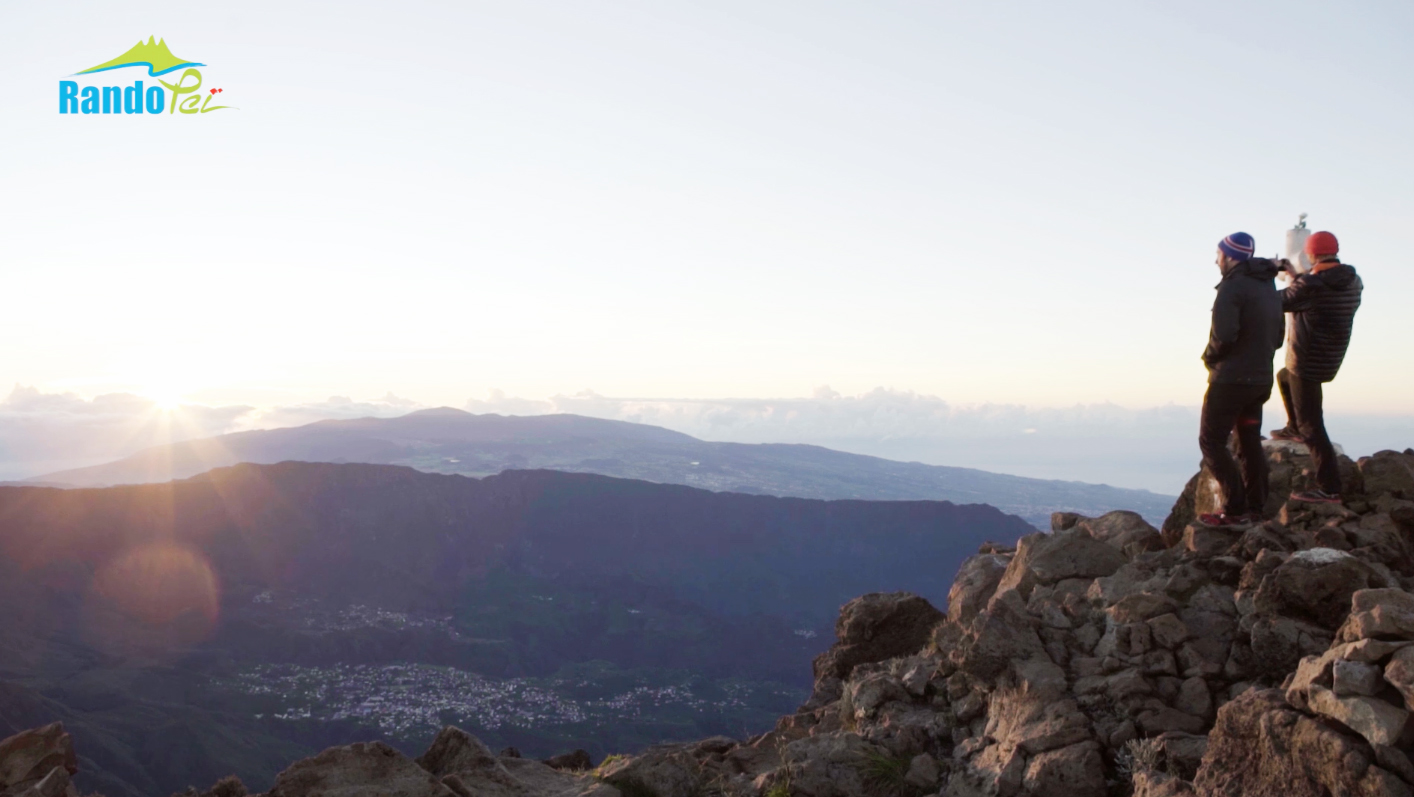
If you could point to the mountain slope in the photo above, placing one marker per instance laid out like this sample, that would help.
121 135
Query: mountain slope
297 605
451 441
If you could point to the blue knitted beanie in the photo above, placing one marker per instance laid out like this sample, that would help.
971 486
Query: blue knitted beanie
1238 246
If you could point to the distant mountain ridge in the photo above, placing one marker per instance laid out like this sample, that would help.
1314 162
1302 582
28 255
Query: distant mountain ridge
447 440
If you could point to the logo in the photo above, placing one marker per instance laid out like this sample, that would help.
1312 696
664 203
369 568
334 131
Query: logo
185 90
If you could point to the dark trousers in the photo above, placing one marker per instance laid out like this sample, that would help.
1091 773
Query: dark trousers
1228 409
1302 398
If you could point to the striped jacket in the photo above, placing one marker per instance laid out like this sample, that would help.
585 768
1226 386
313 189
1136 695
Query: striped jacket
1322 306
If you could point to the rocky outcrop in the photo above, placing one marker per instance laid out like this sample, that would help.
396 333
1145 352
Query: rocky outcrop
1104 658
38 763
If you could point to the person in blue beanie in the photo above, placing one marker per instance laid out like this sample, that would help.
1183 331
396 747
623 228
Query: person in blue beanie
1247 329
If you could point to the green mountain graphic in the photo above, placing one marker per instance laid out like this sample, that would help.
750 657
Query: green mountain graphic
153 54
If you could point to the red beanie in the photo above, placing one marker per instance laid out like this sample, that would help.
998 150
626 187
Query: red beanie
1321 244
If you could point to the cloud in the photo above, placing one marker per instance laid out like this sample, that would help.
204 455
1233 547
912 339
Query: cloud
1149 448
46 432
335 407
1153 448
43 432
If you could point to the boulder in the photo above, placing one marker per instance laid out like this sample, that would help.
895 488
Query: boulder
1160 784
1167 631
1377 721
923 772
1141 607
1379 614
1184 512
976 580
665 771
1003 634
1074 771
1315 585
370 769
1209 541
1127 531
876 627
1399 673
31 755
1261 747
827 765
1351 678
576 761
1388 472
1049 558
54 784
229 786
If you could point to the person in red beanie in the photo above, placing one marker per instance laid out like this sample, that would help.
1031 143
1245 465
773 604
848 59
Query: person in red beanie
1322 303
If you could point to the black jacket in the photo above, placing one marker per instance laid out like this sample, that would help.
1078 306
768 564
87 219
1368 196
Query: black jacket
1322 308
1247 325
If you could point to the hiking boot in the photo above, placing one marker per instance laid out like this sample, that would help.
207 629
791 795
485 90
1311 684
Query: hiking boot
1287 433
1316 497
1222 521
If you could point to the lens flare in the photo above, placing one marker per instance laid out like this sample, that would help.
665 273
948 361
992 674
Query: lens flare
154 598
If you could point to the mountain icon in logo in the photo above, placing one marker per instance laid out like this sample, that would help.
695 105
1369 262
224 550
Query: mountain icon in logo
153 54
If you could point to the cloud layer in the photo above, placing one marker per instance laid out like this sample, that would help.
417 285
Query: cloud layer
1152 448
45 432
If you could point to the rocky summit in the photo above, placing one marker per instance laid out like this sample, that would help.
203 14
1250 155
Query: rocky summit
1104 658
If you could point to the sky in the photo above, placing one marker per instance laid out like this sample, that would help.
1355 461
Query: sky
980 204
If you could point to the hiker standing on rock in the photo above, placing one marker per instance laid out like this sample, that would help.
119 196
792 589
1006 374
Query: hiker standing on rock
1322 303
1246 332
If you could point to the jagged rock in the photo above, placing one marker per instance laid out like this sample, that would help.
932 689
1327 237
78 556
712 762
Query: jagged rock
1184 512
1278 643
1167 630
575 761
1379 613
1399 673
1160 784
976 580
1351 678
30 756
463 762
1209 541
1194 697
370 769
1141 607
1127 531
1049 558
1372 650
829 765
54 784
1157 718
923 772
229 786
999 636
1074 771
666 771
1261 747
875 627
871 692
510 752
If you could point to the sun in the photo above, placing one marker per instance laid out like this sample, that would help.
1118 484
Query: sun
165 399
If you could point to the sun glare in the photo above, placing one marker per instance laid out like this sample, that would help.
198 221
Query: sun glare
165 400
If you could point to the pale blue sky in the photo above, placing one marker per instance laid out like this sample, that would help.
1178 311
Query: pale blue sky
1008 202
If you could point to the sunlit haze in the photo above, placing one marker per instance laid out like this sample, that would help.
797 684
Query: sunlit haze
966 203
